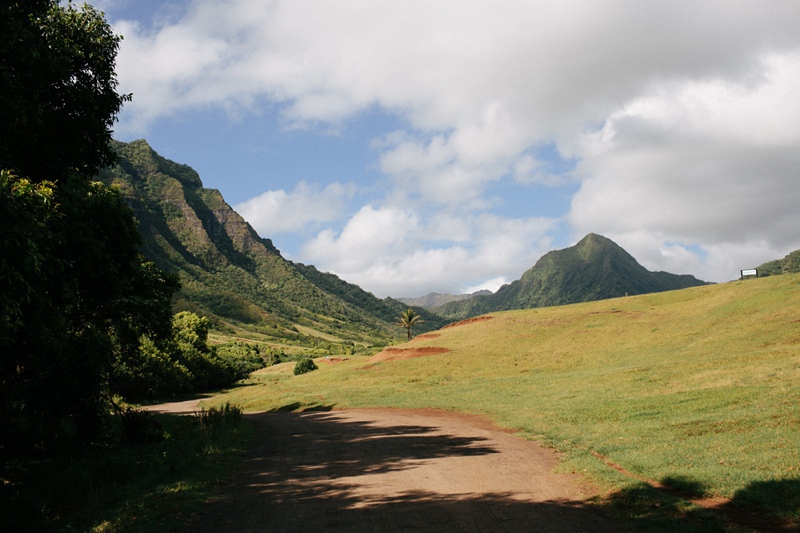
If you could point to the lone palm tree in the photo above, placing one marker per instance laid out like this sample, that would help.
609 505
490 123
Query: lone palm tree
408 318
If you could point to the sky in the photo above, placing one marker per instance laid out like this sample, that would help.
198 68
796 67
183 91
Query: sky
416 146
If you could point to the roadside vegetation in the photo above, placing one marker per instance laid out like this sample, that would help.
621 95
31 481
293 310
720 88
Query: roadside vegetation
693 390
152 473
86 321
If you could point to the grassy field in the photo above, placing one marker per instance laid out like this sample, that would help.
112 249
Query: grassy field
697 389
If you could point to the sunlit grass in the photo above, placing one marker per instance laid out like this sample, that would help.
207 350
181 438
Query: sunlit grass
698 388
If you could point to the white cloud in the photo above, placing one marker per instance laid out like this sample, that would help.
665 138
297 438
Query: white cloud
712 162
275 212
396 252
681 118
488 285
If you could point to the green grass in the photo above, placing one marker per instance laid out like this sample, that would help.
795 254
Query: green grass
698 388
112 487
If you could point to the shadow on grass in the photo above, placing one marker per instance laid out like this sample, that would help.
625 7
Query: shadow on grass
763 506
684 486
653 510
301 477
297 406
776 497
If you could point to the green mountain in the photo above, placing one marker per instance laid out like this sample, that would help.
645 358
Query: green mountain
232 275
594 269
435 299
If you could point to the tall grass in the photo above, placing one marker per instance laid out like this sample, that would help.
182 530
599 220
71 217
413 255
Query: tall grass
698 389
154 479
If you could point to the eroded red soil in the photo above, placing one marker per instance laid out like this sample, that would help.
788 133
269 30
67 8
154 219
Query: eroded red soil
392 354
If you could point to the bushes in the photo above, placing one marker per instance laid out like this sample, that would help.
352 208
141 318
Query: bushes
185 363
245 358
151 372
304 365
138 426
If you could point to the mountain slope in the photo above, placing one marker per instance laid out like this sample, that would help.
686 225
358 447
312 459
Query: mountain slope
232 275
434 299
594 269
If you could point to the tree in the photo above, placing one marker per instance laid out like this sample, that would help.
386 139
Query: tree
87 295
409 318
75 291
184 362
58 86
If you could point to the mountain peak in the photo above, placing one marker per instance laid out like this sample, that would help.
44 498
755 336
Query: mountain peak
595 268
139 155
594 244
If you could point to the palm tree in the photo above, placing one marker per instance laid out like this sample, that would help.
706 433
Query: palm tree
408 318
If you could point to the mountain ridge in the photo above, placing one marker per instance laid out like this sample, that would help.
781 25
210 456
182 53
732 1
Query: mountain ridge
231 274
237 278
595 268
788 265
435 299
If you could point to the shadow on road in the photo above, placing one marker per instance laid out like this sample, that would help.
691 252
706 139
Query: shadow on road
301 476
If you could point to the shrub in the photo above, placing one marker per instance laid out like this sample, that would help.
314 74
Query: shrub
304 365
243 357
138 426
215 420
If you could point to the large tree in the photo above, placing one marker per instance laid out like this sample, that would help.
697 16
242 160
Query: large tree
75 292
58 89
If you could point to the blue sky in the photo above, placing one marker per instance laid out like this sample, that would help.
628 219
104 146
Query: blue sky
412 146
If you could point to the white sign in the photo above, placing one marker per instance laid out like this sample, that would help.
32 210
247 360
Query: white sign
751 272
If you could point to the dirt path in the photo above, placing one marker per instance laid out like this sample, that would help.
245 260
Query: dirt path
396 470
185 407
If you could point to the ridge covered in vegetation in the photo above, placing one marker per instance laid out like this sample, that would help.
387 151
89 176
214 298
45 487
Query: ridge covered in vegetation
788 265
594 269
236 278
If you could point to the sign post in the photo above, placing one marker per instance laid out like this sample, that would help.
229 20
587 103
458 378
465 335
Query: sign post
749 272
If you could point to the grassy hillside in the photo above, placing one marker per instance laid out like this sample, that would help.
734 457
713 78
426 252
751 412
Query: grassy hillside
697 389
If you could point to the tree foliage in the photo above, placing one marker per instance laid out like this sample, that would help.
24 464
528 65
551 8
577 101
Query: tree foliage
787 265
58 83
408 319
305 365
76 294
181 363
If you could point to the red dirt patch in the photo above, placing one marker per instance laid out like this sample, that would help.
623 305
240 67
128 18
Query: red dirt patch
427 336
332 360
472 320
394 354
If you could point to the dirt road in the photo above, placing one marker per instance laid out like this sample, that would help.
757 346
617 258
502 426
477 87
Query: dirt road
396 470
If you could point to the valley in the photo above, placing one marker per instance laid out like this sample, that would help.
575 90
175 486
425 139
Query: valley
692 390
